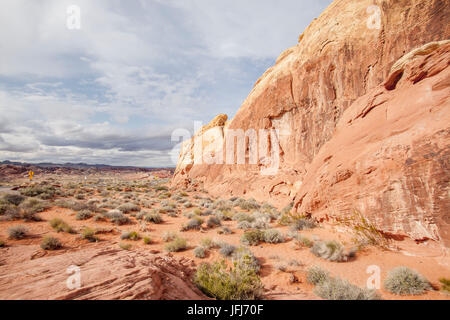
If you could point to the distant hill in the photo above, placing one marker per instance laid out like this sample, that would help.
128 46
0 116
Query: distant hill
78 165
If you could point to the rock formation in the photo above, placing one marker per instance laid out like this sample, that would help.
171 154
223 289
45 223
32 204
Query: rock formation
361 115
106 273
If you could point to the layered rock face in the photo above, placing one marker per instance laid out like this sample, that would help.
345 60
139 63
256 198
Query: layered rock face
105 273
360 112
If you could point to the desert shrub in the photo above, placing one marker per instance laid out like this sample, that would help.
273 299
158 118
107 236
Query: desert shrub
147 240
17 232
288 208
73 205
207 212
404 281
200 252
177 244
141 215
2 243
261 216
163 210
79 196
130 235
166 209
219 215
189 215
213 222
226 249
42 191
272 236
60 225
260 224
188 205
89 235
329 250
50 243
169 236
338 289
197 211
30 207
252 237
104 194
172 214
285 219
194 223
14 199
129 207
92 202
117 217
242 216
303 242
223 205
250 204
245 259
83 215
207 203
30 216
316 275
225 230
127 196
161 188
207 243
302 224
125 246
237 284
153 217
300 240
99 217
365 232
269 210
445 285
267 207
225 215
9 211
244 225
165 195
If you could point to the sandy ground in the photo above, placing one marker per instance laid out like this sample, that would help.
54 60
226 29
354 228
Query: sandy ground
428 261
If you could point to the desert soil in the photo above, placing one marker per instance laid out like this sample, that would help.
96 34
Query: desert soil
18 256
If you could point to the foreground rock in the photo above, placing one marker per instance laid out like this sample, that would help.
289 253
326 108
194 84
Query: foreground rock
106 273
362 119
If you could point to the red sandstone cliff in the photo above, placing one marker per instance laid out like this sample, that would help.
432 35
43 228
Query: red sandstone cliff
363 120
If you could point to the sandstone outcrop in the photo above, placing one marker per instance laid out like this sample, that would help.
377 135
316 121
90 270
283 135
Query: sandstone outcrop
106 273
362 121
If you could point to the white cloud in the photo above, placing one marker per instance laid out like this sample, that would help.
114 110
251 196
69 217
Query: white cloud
135 71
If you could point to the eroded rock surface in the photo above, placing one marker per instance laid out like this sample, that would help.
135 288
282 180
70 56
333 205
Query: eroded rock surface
106 273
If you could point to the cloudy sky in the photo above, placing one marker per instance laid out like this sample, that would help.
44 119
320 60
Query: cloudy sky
113 91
